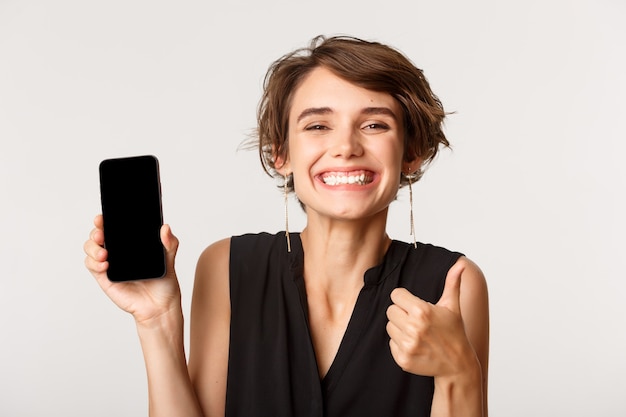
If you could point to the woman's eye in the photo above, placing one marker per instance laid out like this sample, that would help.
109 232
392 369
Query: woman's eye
316 127
376 126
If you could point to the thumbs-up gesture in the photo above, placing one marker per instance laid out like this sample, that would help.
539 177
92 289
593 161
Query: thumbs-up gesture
429 339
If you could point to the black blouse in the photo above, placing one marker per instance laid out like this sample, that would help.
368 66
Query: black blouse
272 370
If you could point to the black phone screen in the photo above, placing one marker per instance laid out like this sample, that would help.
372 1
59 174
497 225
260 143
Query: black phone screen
130 191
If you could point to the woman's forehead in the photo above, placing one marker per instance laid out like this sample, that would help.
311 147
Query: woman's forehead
322 89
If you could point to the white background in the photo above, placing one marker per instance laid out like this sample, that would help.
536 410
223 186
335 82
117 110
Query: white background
533 190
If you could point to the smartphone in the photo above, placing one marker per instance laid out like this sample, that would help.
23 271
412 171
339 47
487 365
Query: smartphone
130 193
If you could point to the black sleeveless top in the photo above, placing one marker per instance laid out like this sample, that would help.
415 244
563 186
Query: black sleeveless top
272 370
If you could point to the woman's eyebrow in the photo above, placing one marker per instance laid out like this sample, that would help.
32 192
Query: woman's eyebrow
313 111
379 110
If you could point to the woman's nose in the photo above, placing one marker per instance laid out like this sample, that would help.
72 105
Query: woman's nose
346 143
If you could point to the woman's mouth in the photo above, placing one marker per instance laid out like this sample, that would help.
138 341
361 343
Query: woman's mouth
347 178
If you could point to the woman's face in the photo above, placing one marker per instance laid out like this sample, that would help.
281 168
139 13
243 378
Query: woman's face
345 147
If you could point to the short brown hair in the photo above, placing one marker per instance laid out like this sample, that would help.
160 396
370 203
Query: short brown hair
370 65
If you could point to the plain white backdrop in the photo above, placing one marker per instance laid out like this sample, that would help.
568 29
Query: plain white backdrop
533 190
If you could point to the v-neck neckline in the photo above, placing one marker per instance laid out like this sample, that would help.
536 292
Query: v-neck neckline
374 276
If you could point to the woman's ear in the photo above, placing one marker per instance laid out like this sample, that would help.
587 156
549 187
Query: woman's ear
281 165
412 166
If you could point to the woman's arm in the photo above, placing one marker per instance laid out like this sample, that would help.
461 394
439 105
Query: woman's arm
155 305
170 392
199 389
449 340
465 393
210 328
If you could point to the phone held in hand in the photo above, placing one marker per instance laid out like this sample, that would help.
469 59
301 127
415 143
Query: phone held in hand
130 192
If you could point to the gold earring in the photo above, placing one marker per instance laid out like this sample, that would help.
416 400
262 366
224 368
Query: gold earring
287 212
410 177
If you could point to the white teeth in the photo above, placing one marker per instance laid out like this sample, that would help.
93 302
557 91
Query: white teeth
346 179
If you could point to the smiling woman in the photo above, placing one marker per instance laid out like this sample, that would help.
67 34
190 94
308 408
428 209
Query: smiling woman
369 65
343 131
338 320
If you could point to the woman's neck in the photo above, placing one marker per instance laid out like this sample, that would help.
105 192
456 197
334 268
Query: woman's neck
338 252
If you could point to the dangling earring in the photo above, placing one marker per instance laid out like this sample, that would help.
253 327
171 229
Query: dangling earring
410 177
287 213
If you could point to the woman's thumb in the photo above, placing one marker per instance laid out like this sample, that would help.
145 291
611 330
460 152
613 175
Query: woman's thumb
452 289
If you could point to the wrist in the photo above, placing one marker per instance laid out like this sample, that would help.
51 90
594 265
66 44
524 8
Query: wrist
170 321
460 393
470 376
162 335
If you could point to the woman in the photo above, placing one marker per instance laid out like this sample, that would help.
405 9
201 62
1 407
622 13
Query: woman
361 325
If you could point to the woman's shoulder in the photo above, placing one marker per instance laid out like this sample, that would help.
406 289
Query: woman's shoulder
258 243
432 249
216 251
258 238
429 255
220 249
242 250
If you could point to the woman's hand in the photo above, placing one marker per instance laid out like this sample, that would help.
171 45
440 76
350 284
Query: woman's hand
429 339
146 300
439 341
